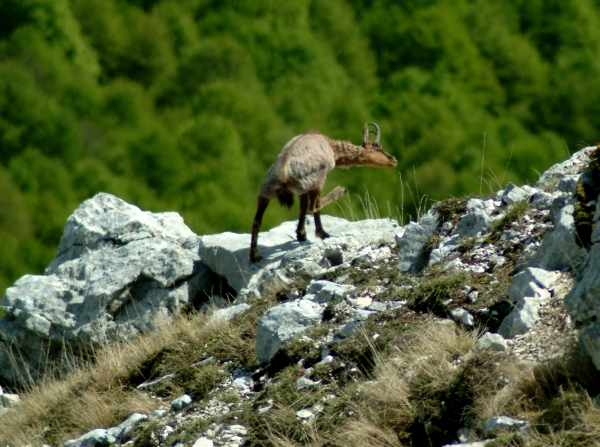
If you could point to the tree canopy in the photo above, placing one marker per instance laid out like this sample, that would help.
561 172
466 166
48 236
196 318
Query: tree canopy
184 104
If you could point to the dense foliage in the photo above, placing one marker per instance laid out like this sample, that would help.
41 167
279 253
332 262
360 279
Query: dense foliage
183 104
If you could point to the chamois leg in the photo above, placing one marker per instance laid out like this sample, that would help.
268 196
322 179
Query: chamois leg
263 202
315 204
301 231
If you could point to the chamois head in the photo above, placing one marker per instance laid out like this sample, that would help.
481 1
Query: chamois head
373 153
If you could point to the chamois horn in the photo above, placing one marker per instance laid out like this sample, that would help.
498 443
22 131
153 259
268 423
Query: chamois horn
378 134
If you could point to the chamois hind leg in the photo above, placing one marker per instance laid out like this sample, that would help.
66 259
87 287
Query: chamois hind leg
301 231
263 202
315 204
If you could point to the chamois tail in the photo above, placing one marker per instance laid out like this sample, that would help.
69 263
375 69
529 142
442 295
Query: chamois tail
286 198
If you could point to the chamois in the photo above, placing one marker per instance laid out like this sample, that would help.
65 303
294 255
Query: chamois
302 167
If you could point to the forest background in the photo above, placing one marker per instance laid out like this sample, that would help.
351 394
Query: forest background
183 104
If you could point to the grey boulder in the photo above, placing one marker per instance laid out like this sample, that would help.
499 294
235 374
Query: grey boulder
280 323
478 219
97 437
412 243
528 291
227 253
119 271
559 249
492 342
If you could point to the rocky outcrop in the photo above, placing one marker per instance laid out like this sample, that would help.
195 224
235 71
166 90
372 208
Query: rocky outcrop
412 242
119 271
227 253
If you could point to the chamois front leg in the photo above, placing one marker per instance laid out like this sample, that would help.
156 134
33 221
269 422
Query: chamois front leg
301 230
315 205
263 202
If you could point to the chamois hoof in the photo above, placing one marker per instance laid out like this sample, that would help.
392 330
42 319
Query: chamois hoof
301 236
323 234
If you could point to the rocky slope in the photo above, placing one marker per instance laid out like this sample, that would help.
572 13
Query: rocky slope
499 267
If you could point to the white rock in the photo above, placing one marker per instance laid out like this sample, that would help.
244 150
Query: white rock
280 323
9 400
411 243
125 427
306 384
363 302
496 425
227 253
494 342
181 403
514 194
155 383
326 291
559 249
457 314
304 414
328 359
119 271
93 438
396 304
166 432
377 306
478 218
238 430
204 442
467 319
229 312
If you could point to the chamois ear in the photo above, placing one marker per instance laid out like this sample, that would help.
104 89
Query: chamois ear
366 133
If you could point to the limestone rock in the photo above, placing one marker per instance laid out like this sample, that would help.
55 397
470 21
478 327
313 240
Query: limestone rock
280 323
489 341
326 291
528 291
514 194
589 339
229 312
181 403
413 240
203 442
550 179
559 249
125 427
119 271
227 253
478 218
97 437
496 425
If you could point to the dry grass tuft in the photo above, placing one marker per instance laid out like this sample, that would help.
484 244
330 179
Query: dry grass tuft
102 393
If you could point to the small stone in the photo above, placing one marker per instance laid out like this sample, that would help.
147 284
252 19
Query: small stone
159 413
204 442
472 296
364 302
304 414
306 384
326 360
9 400
468 320
238 430
396 304
494 342
378 306
495 425
166 432
457 314
181 402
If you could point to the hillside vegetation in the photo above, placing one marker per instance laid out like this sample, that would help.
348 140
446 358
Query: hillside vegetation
183 104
